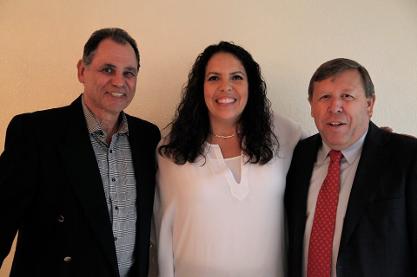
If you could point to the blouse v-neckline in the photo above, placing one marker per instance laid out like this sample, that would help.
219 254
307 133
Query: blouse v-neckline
239 190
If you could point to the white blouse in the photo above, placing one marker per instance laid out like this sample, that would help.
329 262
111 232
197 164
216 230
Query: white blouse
209 225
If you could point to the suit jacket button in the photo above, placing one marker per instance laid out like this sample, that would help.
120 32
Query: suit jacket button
61 218
67 259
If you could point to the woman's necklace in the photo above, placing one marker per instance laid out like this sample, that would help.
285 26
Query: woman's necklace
224 137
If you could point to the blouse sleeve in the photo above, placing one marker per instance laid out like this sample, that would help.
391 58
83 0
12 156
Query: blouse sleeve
164 214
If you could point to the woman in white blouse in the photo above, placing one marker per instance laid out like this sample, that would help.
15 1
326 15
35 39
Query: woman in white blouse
219 204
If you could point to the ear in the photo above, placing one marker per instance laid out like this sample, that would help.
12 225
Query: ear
80 71
311 106
370 101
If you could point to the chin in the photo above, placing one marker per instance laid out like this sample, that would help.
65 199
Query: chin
335 144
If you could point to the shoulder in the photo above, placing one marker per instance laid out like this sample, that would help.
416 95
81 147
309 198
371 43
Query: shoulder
308 146
402 144
140 123
404 140
39 118
163 158
144 126
169 160
26 127
286 130
310 141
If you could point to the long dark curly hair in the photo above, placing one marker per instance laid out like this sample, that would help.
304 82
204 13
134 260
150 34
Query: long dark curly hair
190 127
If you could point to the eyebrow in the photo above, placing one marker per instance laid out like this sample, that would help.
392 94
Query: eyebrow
239 71
231 73
129 68
108 65
132 69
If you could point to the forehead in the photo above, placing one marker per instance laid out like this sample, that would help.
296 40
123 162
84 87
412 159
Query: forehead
111 52
348 79
225 60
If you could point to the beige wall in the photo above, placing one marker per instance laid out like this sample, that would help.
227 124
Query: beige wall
42 40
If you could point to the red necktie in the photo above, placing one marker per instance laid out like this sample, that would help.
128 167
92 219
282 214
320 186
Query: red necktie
319 261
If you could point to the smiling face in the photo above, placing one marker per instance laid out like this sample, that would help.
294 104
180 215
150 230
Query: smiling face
340 109
110 79
225 88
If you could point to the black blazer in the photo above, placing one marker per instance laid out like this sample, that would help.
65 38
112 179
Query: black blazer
52 193
379 236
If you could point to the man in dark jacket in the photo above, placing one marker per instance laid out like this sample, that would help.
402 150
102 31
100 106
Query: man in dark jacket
351 194
77 182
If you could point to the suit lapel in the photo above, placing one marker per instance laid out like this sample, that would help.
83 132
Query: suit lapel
84 175
309 159
365 182
143 157
307 155
141 162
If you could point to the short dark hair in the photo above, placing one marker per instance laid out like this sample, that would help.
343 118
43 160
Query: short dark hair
116 34
190 127
339 65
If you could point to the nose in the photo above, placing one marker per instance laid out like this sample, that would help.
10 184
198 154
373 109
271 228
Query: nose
336 105
225 86
118 80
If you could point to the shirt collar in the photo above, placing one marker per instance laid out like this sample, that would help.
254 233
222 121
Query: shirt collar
350 154
94 126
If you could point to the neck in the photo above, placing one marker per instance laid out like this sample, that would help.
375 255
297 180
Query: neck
109 126
223 131
109 122
229 145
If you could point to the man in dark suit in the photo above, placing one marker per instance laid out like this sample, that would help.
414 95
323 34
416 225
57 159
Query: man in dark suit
77 182
361 220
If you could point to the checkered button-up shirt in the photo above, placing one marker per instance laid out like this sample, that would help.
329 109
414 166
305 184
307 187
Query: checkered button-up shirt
116 169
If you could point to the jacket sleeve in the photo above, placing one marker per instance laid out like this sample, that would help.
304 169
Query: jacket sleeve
411 196
17 179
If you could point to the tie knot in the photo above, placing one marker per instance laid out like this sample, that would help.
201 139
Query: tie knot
335 155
